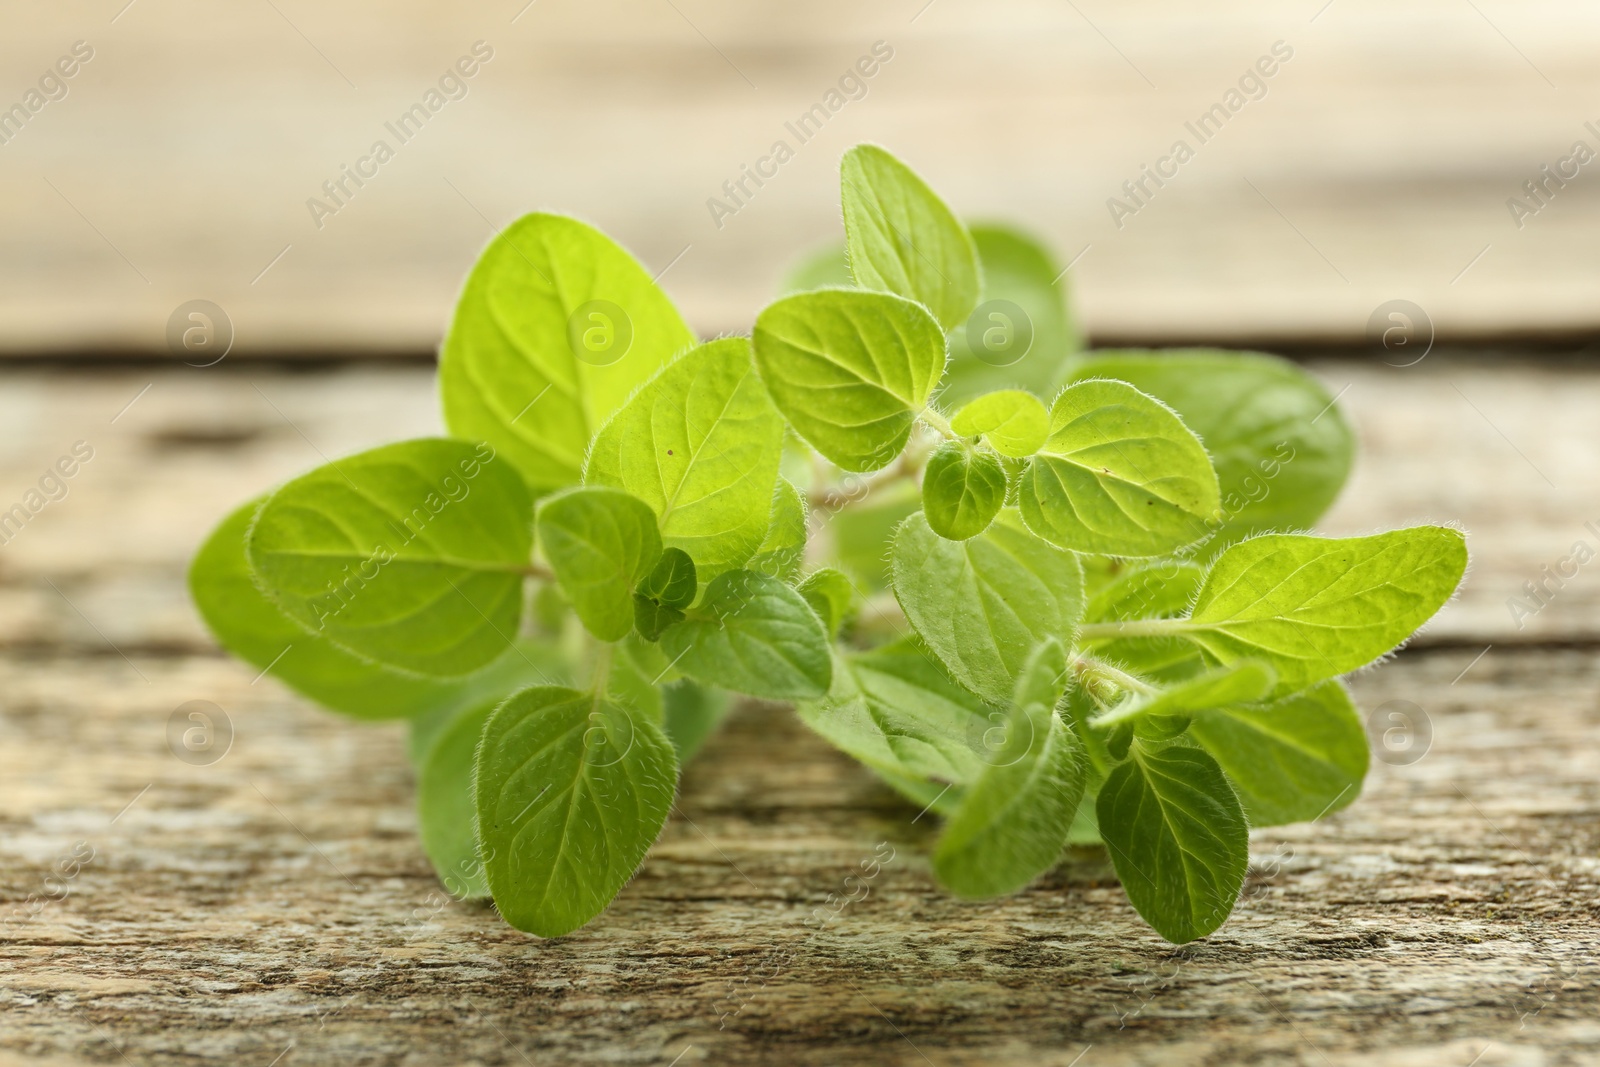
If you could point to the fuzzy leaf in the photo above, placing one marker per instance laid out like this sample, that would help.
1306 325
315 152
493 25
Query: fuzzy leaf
1022 283
1013 422
410 555
1295 759
571 790
1013 821
899 712
784 547
446 815
982 605
1280 445
850 370
1177 837
555 329
1119 475
754 635
902 238
1316 607
700 444
962 490
601 543
831 595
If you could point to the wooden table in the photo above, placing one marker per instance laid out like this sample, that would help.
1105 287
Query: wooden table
1376 164
274 907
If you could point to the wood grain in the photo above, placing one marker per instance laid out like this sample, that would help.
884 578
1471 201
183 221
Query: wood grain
275 904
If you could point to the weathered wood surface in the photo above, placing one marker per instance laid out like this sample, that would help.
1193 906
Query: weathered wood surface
1377 166
275 903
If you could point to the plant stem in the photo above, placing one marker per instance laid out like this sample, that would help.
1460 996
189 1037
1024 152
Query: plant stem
601 672
932 418
1132 628
1089 668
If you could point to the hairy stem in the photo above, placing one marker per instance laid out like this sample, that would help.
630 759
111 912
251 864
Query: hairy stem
932 418
1093 631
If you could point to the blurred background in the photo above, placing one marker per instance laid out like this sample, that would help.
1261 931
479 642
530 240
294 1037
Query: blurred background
1377 161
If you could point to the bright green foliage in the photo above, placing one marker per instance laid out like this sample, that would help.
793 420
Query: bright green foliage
1297 758
571 791
1012 422
447 815
410 555
1281 448
1013 821
700 444
600 543
753 634
850 370
1049 597
1317 607
557 326
1177 837
780 552
1120 474
962 490
983 604
831 595
898 711
902 239
659 601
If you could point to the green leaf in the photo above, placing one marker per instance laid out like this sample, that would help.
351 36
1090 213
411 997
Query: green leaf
1177 837
962 490
250 626
693 712
673 581
902 238
1013 422
571 791
601 543
411 555
1316 607
446 814
1295 759
1023 297
754 635
1013 821
899 712
556 328
700 444
1240 683
850 370
983 604
1280 445
782 550
831 595
1119 475
660 599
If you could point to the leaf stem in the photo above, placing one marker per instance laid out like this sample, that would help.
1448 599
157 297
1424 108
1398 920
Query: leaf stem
1093 631
601 673
534 570
1090 670
938 422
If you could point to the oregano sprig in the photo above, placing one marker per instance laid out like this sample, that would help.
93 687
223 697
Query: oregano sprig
1053 596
